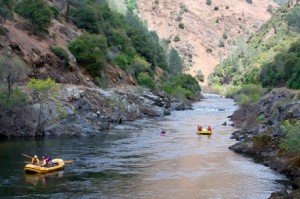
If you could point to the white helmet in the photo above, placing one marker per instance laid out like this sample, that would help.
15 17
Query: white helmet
35 156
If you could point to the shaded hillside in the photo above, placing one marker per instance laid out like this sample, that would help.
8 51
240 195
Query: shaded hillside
204 32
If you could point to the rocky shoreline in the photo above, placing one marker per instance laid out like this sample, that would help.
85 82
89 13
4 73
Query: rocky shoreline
84 110
261 135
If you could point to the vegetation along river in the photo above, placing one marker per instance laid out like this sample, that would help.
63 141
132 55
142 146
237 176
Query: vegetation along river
137 162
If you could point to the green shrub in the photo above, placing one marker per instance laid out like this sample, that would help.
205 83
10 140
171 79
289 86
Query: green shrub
270 9
17 98
101 82
221 44
249 93
3 31
55 12
6 9
145 80
291 143
37 12
225 36
293 18
176 38
249 1
181 25
216 8
131 4
62 54
90 50
208 2
122 61
181 82
261 140
138 65
200 76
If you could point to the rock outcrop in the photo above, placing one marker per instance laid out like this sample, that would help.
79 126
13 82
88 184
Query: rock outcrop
84 110
261 134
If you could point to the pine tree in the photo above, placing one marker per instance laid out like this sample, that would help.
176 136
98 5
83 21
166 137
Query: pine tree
37 12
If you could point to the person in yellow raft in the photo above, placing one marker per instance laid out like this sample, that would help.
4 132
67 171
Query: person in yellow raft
35 160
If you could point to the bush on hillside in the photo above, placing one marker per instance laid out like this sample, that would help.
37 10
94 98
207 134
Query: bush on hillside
62 54
139 65
208 2
179 82
37 12
291 142
293 18
6 9
249 93
284 70
181 25
145 80
175 62
90 51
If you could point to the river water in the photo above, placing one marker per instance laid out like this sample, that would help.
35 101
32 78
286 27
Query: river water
136 162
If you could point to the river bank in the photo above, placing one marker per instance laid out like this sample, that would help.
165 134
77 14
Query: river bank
81 111
261 135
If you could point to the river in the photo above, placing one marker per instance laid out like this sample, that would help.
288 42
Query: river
136 162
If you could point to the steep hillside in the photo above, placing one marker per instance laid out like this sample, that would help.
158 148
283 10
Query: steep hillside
204 29
270 57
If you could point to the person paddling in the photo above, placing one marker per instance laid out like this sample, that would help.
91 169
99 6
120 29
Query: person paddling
163 132
209 128
35 160
199 128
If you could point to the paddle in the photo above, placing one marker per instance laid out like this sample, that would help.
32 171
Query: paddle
27 156
68 161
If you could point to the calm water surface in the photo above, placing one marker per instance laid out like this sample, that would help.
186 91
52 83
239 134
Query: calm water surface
139 163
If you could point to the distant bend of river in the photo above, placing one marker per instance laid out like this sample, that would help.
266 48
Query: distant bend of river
136 162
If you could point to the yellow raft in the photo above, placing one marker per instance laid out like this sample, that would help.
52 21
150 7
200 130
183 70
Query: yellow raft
30 168
204 132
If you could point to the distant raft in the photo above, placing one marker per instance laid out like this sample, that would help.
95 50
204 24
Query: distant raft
204 132
30 168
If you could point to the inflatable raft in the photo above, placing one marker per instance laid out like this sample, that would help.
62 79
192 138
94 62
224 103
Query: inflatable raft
30 168
204 132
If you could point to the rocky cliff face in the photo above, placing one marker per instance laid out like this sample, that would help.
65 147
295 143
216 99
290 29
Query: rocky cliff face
203 29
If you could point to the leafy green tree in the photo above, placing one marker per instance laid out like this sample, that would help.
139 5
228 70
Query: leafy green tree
175 62
43 91
139 64
12 70
180 82
6 9
291 143
145 80
284 70
86 17
37 12
200 76
293 18
90 50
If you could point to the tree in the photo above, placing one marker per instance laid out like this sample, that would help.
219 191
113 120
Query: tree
43 91
12 70
145 80
200 76
6 7
37 12
139 64
175 62
90 49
